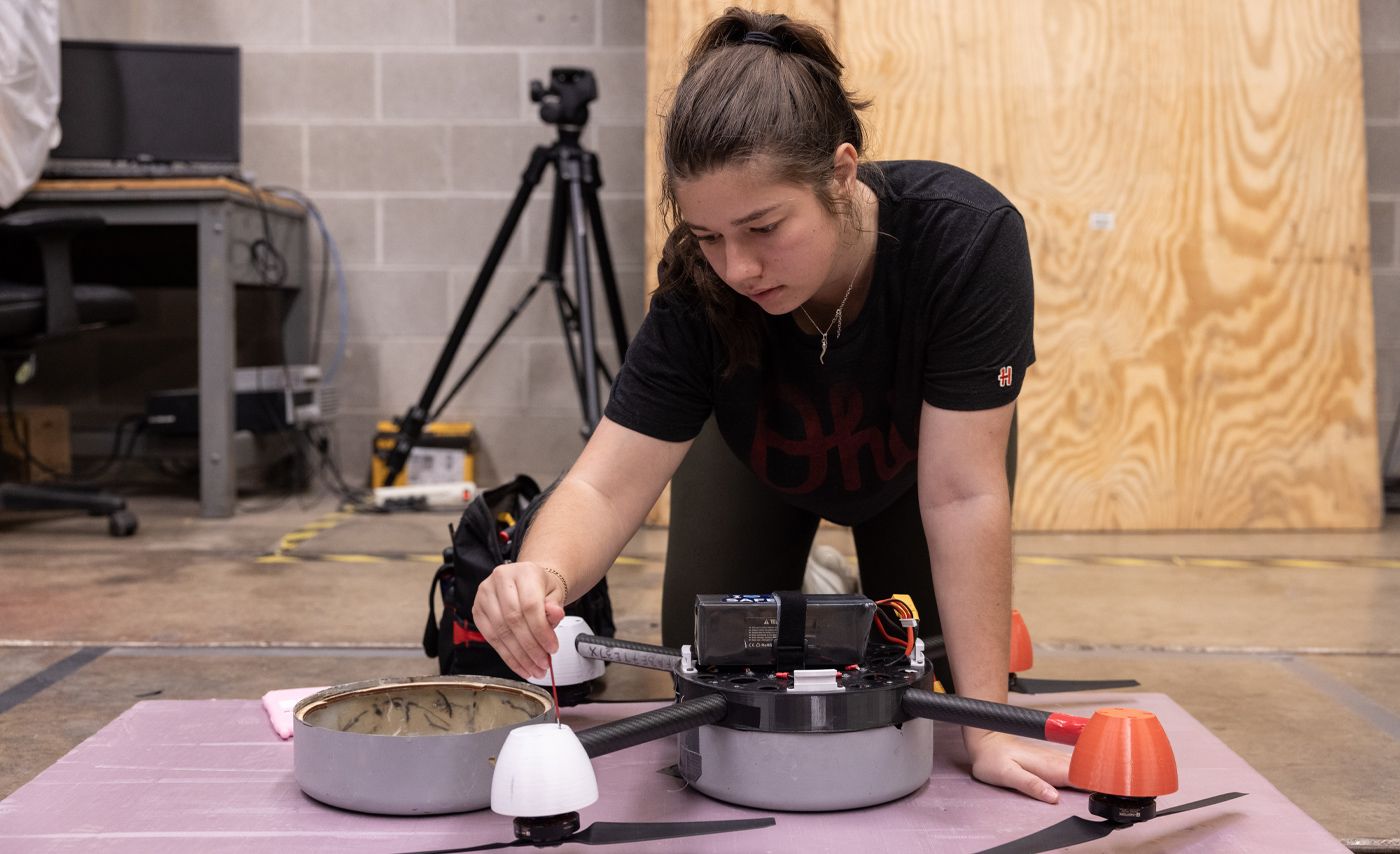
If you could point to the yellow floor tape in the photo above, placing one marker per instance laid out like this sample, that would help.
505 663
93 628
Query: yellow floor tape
288 545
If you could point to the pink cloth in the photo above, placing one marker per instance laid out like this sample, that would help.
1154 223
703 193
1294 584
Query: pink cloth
278 705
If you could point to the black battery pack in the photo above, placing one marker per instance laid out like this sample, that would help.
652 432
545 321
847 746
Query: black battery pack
742 629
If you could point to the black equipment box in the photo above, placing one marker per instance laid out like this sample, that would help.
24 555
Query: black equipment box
176 413
742 629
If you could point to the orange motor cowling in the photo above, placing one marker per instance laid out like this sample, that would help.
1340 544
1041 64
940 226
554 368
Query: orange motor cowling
1124 752
1021 655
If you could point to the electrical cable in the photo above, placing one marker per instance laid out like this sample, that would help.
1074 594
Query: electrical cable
284 421
272 269
879 655
75 479
897 650
292 483
311 450
358 499
886 634
902 611
263 254
330 248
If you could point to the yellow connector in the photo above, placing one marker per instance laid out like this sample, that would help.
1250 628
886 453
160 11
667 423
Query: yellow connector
908 602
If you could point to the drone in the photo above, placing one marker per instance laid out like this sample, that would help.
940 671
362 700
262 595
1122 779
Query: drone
777 687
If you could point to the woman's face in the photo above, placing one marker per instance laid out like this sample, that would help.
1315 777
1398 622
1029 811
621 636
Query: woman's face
772 242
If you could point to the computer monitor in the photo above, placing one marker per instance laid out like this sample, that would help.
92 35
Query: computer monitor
145 108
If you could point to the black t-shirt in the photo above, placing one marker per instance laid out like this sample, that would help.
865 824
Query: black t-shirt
948 320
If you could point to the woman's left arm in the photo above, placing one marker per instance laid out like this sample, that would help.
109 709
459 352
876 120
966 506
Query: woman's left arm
966 510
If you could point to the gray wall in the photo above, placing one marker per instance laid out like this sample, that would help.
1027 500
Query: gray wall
1380 51
408 122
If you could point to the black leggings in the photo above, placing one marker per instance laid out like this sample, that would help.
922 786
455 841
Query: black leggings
731 534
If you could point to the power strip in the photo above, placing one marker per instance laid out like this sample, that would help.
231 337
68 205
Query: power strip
425 495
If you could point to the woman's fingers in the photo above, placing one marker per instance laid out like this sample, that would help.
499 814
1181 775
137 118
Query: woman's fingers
1031 769
514 610
1048 764
534 607
486 613
1016 777
515 613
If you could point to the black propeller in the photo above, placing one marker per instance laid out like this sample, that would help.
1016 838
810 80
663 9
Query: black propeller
614 833
1022 658
1076 830
1053 686
934 648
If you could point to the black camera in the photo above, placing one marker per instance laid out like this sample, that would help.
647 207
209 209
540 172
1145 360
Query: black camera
565 102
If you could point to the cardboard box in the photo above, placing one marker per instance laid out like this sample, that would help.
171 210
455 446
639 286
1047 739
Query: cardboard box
46 431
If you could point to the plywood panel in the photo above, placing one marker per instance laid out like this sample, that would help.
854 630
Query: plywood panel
1193 178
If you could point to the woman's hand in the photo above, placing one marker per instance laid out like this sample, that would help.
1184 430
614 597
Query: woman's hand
516 610
1015 763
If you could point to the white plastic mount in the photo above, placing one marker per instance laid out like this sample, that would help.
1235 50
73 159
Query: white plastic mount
815 681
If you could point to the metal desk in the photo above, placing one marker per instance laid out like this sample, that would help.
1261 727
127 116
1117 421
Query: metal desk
227 217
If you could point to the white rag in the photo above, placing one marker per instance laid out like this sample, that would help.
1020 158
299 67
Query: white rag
29 93
828 572
279 705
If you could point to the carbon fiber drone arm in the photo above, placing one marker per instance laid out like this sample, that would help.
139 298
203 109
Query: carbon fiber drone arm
1029 723
646 655
649 726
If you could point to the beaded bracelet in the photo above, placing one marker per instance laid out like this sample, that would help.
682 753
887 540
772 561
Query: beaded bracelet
562 580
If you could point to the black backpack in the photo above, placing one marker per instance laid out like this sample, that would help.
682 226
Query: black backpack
489 534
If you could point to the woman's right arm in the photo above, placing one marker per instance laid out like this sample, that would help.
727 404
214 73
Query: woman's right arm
578 533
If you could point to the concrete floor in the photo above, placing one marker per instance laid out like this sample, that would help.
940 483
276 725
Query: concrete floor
1287 646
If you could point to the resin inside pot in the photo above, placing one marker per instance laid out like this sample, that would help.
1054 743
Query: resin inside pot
426 706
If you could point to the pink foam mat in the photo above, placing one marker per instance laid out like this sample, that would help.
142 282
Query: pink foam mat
211 776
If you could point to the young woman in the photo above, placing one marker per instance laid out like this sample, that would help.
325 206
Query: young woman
855 335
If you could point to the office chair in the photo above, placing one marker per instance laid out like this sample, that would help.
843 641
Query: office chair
31 315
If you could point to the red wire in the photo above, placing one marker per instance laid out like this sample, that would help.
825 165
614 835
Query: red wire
555 689
889 637
900 608
903 610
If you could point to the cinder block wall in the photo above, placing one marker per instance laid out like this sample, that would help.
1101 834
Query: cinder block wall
409 123
1380 51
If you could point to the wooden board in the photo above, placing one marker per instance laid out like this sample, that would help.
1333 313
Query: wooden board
163 185
1192 175
43 432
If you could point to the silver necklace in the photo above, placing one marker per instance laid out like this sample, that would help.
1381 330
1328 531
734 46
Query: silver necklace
835 320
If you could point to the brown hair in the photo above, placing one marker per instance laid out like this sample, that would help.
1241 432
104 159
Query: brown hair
740 101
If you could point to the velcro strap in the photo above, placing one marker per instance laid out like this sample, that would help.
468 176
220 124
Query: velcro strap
464 634
790 648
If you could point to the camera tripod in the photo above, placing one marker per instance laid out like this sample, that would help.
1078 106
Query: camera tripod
575 208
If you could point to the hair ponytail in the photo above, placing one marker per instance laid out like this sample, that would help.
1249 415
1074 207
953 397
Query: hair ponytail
778 96
796 37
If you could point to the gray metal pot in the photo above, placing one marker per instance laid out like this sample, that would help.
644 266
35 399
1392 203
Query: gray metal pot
808 771
419 745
